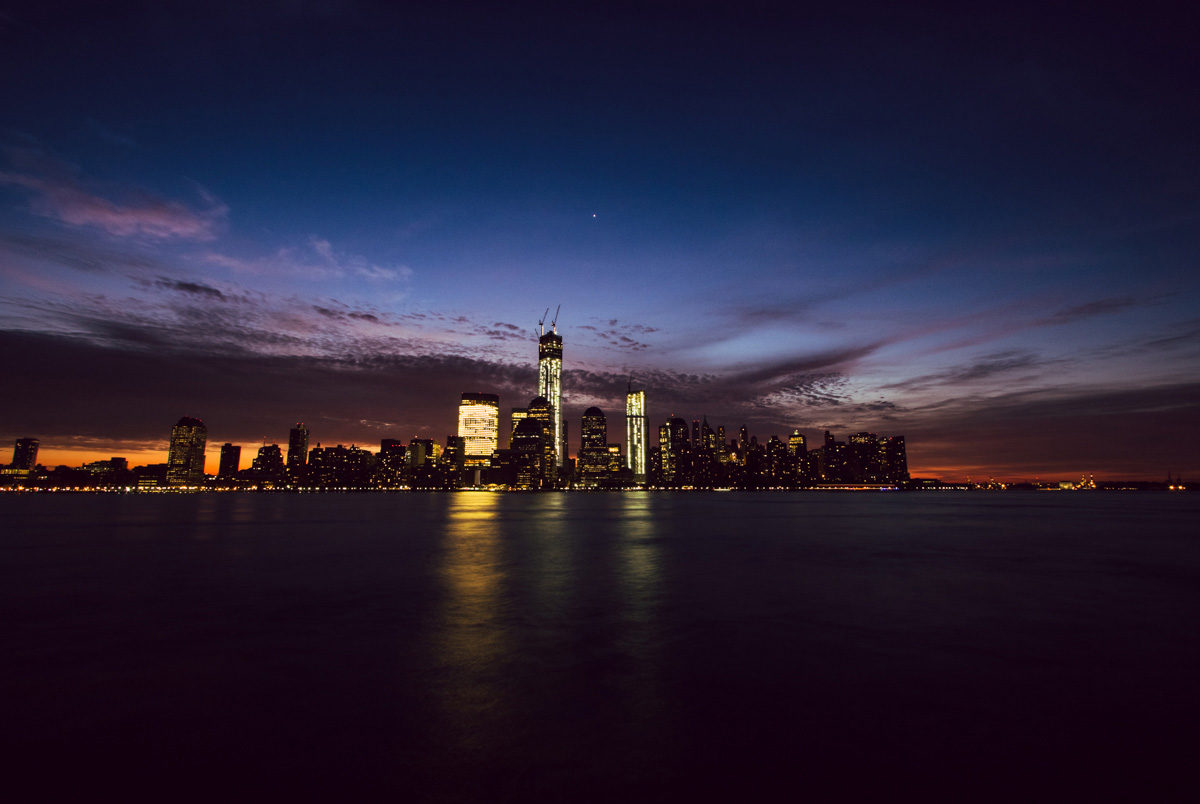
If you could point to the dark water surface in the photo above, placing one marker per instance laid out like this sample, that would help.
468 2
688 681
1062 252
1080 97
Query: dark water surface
471 647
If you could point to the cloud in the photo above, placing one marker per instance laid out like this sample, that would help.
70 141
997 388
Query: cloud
985 367
60 194
1090 310
69 252
194 288
317 260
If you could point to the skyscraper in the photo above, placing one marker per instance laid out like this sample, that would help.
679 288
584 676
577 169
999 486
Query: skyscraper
185 458
479 427
635 434
518 414
550 350
231 459
268 465
25 454
529 454
593 448
676 452
542 411
896 459
297 456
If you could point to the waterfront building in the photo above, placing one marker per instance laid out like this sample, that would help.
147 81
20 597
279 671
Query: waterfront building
268 465
25 452
478 427
454 456
297 454
422 452
635 434
550 351
231 459
542 411
185 457
518 414
340 467
593 448
895 459
529 454
675 445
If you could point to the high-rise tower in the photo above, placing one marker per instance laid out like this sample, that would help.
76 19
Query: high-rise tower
635 434
479 427
542 411
25 453
185 459
550 350
593 448
297 454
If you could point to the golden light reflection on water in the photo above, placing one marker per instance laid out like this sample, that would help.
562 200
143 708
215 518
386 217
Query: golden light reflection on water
639 556
472 573
472 639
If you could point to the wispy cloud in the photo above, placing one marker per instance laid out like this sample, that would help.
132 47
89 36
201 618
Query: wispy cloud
316 260
59 193
1090 309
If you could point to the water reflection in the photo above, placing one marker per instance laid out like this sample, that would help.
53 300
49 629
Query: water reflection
472 637
639 563
639 556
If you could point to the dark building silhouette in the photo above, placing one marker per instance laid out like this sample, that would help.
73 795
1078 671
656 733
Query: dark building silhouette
391 464
231 459
422 452
675 446
340 467
454 456
593 449
542 411
268 465
529 454
185 458
297 454
798 451
25 452
517 415
896 459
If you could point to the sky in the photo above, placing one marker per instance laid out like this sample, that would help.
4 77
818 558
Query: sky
978 229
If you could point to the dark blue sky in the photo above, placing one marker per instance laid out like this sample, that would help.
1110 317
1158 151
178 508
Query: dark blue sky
978 229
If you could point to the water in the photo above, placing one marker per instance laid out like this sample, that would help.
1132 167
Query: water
470 647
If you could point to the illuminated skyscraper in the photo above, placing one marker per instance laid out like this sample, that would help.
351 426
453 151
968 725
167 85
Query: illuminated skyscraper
25 454
479 427
550 350
297 456
185 458
635 434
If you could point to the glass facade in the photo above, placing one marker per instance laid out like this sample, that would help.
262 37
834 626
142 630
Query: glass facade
479 427
635 434
185 458
550 350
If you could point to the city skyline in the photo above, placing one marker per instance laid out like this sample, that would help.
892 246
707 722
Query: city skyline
977 228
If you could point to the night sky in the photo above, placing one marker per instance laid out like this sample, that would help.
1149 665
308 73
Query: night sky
978 229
